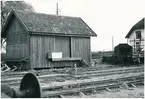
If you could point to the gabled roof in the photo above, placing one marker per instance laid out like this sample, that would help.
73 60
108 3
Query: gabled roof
138 25
38 23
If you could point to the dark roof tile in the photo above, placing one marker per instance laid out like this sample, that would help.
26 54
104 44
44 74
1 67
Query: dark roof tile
37 22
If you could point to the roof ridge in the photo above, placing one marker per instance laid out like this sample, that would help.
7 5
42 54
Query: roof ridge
21 11
56 24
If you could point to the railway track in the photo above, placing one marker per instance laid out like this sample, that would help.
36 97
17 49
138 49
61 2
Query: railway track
85 88
61 77
108 72
7 75
86 82
102 85
113 69
89 87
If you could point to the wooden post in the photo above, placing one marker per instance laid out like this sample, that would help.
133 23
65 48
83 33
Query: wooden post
75 66
54 43
134 46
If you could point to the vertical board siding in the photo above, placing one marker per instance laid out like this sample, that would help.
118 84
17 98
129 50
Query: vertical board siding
81 48
20 46
17 51
17 42
41 45
62 44
39 48
33 52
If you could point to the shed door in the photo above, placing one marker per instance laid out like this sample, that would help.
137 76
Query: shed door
62 44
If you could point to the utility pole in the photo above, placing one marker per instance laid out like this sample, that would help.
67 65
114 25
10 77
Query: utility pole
57 9
112 43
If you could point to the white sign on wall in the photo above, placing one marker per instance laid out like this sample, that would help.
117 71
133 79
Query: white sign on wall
55 55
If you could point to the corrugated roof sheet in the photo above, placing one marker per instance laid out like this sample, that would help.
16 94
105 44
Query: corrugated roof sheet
138 25
37 22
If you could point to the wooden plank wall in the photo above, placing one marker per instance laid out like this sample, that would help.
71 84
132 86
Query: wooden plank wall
39 48
41 45
17 41
62 44
18 46
80 47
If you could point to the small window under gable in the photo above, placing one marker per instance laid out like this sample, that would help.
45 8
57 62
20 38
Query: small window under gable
138 34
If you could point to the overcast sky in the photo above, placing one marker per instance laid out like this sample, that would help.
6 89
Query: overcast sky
106 17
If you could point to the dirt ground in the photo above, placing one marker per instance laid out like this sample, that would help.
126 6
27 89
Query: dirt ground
123 93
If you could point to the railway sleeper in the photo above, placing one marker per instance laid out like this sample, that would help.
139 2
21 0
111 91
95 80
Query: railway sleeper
112 88
105 73
62 96
72 94
89 91
94 83
103 87
111 70
139 83
93 73
16 82
70 86
81 93
5 81
133 85
115 88
94 91
108 89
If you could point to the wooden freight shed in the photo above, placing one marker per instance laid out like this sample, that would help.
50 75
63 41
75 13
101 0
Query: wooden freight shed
33 37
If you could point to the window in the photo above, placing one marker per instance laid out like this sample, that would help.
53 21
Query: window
138 34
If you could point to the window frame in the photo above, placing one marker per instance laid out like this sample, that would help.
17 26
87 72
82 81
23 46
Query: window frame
138 34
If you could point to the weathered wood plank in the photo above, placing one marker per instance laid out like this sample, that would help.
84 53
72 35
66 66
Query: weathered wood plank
40 46
81 48
62 45
16 47
66 59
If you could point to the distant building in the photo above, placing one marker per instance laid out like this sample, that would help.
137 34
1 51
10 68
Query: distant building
135 37
33 38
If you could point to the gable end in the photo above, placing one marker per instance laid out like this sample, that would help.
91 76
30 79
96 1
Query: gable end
9 22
